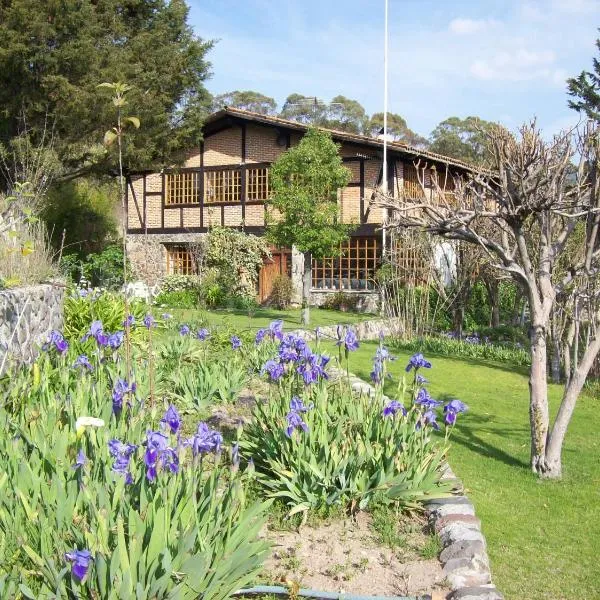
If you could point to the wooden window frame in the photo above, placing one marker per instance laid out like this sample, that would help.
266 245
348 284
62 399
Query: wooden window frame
180 260
182 188
353 271
258 184
223 186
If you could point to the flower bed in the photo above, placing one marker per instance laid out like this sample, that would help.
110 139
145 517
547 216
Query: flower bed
115 487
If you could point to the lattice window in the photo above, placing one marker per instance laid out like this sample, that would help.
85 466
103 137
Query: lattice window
180 261
182 188
412 187
353 270
222 186
258 185
411 259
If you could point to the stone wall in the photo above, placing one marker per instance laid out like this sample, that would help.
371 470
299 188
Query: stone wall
148 255
27 316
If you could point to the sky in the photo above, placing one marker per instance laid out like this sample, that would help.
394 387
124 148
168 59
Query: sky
503 60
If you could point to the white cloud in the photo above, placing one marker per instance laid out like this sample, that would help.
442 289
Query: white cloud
462 26
520 65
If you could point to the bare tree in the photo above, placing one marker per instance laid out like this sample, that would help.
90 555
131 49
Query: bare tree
535 201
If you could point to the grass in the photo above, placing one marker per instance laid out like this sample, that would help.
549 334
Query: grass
241 319
543 536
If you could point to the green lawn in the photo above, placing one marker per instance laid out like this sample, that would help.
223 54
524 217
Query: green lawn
240 319
543 537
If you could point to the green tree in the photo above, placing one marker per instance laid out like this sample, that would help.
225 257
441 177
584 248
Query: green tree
347 115
246 100
303 210
464 139
53 54
305 109
397 128
586 89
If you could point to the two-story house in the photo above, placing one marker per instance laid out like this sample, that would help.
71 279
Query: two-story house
225 182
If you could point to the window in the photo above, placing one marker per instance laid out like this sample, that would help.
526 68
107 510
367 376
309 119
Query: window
412 186
257 184
222 186
180 261
353 270
182 188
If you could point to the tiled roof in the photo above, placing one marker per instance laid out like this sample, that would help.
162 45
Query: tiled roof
340 136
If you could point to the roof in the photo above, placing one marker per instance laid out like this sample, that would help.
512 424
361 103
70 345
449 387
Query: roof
337 135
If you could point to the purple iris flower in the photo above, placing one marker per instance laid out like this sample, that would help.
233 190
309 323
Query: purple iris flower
236 343
59 342
382 353
297 405
96 328
420 380
80 560
276 330
80 460
184 330
115 339
260 336
312 368
148 321
392 408
347 339
120 389
158 454
205 440
430 419
274 369
129 321
377 372
294 421
121 452
452 409
417 361
83 362
166 316
292 348
203 334
425 400
172 419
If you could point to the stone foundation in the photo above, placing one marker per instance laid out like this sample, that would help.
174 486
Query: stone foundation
148 255
27 316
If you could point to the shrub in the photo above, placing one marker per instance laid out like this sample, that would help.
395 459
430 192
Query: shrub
341 301
282 291
103 269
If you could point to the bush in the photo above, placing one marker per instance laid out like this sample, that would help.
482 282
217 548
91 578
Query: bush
282 291
341 301
103 269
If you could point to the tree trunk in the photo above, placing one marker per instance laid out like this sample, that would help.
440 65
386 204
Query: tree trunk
567 406
306 286
493 290
538 399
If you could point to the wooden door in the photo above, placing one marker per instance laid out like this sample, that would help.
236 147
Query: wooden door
280 262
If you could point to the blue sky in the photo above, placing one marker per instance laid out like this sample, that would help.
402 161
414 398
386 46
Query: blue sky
504 60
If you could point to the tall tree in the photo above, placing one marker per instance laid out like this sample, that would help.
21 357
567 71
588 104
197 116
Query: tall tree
303 211
464 139
586 89
53 55
544 224
346 115
305 109
397 129
246 100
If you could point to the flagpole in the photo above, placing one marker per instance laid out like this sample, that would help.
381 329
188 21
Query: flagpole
384 175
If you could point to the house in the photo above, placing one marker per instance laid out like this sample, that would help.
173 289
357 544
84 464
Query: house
225 182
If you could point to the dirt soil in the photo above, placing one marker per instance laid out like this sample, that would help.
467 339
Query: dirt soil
345 556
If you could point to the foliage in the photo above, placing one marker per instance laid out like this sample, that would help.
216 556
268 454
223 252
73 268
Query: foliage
473 346
464 139
52 60
397 129
180 291
234 258
84 211
246 100
346 115
341 301
282 291
317 446
103 269
305 180
82 307
25 253
584 91
157 513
